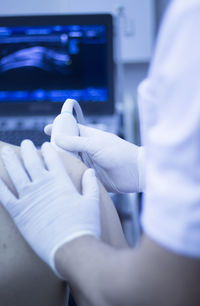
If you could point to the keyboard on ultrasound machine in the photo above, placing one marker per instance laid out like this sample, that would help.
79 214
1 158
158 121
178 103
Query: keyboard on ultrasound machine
16 136
13 131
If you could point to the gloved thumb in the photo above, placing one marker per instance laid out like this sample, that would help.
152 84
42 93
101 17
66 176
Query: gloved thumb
90 186
48 129
76 143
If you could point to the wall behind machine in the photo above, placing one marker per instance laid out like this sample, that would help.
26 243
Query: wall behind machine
30 7
136 33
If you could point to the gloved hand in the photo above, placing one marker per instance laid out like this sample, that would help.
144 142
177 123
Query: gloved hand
49 211
119 161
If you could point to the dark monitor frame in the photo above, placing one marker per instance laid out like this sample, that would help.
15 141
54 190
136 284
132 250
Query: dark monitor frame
48 108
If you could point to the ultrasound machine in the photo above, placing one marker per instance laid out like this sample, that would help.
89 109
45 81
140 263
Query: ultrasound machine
46 59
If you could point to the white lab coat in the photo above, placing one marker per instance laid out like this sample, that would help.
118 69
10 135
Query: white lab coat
169 102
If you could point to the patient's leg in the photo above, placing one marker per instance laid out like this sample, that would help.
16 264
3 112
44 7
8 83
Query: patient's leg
25 279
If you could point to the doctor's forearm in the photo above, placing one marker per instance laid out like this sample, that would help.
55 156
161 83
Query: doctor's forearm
149 275
97 273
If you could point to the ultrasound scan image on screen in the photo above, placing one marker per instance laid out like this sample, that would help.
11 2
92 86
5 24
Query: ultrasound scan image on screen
52 62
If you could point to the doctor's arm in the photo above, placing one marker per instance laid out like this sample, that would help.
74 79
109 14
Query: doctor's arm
105 275
149 275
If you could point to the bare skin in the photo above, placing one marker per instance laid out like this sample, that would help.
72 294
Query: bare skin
147 276
25 279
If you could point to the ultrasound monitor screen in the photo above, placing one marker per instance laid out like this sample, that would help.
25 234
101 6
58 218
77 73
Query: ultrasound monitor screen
53 62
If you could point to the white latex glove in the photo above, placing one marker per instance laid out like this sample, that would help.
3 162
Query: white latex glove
120 161
49 211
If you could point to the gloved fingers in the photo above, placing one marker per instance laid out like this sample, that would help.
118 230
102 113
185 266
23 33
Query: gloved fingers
76 143
15 169
31 159
48 129
90 186
6 196
84 130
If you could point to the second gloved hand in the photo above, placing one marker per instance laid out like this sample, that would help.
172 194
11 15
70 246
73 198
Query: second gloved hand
49 211
121 163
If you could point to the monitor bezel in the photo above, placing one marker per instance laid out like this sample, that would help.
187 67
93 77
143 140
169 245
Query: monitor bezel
46 107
